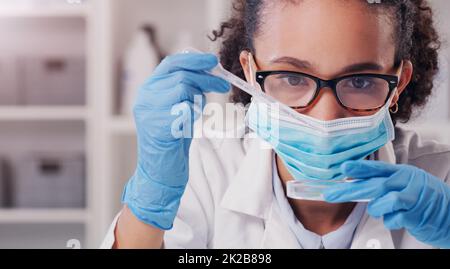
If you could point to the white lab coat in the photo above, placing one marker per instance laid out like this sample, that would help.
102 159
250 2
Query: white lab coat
229 201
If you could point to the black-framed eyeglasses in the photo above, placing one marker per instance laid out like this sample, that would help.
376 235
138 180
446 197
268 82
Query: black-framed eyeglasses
358 92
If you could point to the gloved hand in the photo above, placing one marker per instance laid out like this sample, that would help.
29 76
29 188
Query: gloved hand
405 196
164 114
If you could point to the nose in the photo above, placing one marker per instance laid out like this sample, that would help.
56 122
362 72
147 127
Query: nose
326 107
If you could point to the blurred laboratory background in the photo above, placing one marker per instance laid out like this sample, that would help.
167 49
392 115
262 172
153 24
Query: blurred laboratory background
69 71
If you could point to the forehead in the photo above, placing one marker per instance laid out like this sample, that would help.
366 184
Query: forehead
329 34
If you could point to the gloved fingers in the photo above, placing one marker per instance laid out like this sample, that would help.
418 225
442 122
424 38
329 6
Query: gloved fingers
187 111
367 169
391 202
362 190
186 61
182 126
165 125
395 220
166 163
368 189
186 145
201 80
167 99
402 192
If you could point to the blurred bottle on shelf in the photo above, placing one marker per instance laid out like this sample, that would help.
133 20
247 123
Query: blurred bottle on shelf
141 58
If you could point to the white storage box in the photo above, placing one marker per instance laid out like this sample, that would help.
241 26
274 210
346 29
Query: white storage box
9 91
53 81
49 180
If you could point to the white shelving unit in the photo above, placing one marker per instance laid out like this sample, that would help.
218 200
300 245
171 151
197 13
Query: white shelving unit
16 113
31 216
122 125
63 11
26 226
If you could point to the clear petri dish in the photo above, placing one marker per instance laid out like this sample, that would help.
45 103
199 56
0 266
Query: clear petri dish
312 190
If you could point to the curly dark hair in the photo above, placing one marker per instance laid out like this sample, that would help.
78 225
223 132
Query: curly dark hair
415 35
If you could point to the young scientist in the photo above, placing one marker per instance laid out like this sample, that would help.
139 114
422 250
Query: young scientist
341 65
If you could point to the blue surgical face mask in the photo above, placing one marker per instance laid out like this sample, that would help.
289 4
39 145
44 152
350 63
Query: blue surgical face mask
313 149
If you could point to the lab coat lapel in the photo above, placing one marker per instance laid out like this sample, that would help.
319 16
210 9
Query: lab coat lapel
250 192
277 233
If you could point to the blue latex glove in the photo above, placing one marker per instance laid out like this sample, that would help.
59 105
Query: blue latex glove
405 196
164 114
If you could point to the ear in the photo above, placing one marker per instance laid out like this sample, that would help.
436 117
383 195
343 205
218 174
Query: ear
244 59
404 80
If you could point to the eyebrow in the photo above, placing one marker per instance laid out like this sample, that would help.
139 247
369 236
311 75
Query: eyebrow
301 64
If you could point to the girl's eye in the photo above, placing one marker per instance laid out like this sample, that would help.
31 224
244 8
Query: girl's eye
359 83
294 80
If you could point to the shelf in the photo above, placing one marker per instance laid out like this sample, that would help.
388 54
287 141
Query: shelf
43 215
68 10
31 113
122 125
43 236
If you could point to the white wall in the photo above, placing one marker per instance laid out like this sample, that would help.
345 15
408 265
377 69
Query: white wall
437 108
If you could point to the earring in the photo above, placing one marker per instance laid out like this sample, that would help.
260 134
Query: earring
395 110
